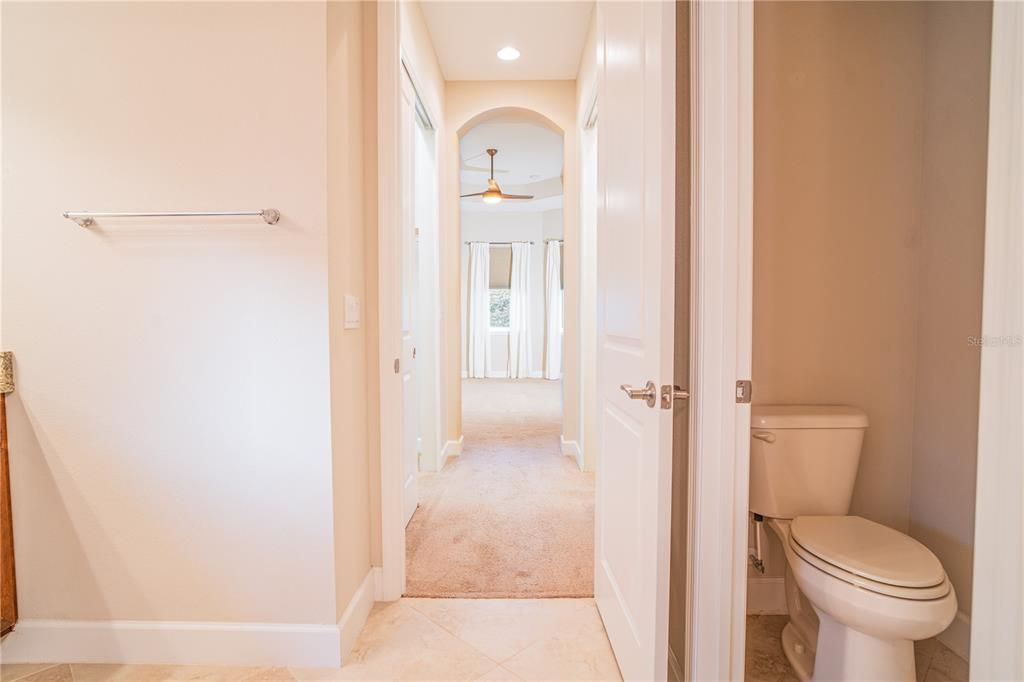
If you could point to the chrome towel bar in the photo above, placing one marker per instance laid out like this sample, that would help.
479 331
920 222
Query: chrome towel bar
88 218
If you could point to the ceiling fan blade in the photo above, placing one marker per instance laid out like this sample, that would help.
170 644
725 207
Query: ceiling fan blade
475 194
516 196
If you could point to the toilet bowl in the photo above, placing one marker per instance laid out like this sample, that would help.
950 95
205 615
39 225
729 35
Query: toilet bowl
873 590
858 593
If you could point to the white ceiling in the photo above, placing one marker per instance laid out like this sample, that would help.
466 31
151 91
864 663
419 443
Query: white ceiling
468 35
529 161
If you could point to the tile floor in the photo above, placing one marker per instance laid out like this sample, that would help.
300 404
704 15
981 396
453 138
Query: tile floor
766 663
478 639
417 639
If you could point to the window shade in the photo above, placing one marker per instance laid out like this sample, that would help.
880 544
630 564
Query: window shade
501 267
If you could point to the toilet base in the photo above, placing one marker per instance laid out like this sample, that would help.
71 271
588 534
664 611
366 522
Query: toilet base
798 653
846 654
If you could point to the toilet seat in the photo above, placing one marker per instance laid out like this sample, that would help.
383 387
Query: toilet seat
869 555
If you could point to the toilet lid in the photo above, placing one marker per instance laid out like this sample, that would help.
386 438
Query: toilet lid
869 550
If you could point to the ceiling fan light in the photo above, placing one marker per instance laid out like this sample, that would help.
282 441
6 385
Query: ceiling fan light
491 197
508 54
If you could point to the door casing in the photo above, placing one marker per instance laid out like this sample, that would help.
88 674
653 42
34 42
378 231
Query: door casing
721 242
721 36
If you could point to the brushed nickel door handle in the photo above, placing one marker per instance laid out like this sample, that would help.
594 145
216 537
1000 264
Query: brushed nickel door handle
649 393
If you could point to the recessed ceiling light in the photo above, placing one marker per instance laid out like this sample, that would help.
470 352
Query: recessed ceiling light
508 54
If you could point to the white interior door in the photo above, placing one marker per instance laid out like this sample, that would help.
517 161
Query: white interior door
635 312
407 365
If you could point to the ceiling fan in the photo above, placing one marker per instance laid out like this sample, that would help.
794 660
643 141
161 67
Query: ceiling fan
493 193
466 166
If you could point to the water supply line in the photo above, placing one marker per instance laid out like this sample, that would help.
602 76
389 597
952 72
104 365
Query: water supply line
755 554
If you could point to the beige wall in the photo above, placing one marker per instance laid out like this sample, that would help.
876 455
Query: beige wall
586 88
870 152
949 283
371 319
346 243
171 432
418 48
465 101
837 218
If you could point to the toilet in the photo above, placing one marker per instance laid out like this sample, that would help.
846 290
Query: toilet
858 593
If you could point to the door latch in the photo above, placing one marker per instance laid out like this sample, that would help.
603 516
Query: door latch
670 394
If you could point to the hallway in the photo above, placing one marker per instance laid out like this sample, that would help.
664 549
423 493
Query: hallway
511 517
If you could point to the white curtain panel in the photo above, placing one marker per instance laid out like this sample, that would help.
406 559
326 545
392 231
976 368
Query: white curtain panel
553 312
478 310
519 313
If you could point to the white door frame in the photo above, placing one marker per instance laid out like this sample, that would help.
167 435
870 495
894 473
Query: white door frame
391 575
997 634
722 101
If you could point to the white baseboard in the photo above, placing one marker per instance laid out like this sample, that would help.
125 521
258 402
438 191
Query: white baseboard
450 449
958 635
675 671
356 613
173 643
766 596
571 448
378 583
194 643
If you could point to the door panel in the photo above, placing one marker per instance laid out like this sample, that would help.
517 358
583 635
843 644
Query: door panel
635 314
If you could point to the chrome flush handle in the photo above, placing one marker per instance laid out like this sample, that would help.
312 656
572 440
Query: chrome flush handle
649 393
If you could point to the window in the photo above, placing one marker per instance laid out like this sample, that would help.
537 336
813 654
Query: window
500 285
499 308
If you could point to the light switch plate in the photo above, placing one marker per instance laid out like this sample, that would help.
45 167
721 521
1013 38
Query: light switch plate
352 313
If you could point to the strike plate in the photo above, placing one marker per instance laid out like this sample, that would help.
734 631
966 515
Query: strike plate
744 390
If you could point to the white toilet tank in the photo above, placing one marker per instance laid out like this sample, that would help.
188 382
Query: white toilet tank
803 459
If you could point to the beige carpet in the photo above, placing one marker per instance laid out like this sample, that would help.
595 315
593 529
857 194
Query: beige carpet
511 516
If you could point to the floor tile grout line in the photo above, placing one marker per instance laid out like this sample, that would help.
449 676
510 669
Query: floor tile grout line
36 672
434 622
498 663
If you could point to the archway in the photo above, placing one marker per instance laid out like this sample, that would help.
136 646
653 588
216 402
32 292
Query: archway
549 104
492 519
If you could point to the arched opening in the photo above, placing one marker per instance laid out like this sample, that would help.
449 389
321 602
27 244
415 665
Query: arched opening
509 113
492 521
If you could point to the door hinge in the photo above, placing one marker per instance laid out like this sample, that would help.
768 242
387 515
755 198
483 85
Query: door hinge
744 390
397 365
